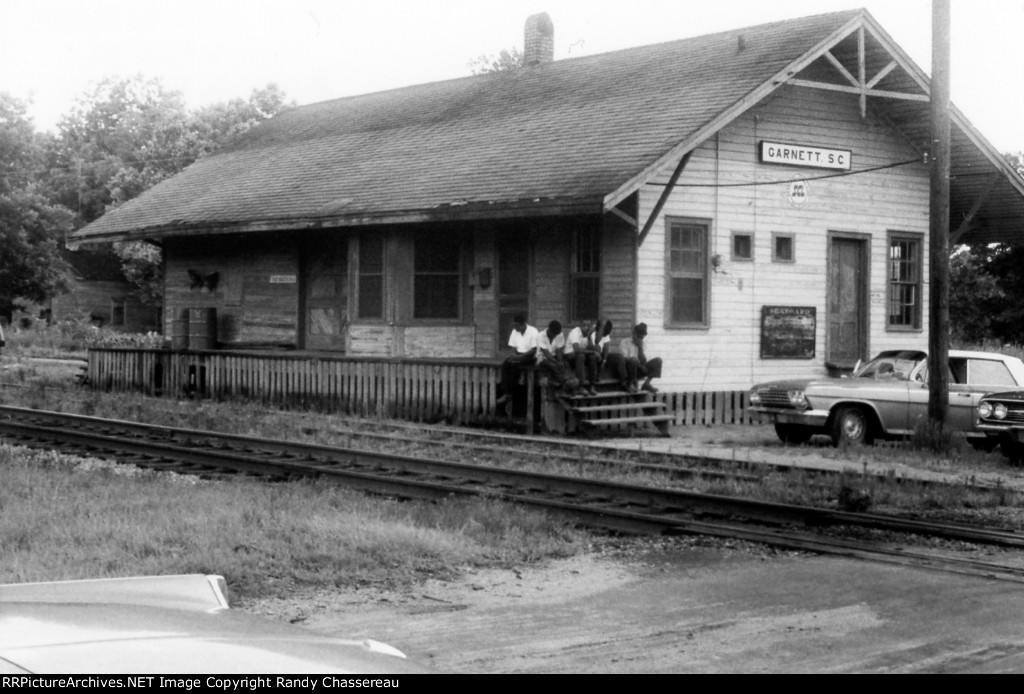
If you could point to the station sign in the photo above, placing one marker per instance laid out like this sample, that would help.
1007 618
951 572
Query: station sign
805 155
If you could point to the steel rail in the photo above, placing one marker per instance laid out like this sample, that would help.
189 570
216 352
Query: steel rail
608 511
250 455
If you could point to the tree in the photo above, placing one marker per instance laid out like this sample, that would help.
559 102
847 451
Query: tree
974 296
32 229
505 61
127 135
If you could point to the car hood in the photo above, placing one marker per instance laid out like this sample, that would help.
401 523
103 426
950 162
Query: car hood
53 637
1017 395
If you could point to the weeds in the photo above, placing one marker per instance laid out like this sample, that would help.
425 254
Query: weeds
67 518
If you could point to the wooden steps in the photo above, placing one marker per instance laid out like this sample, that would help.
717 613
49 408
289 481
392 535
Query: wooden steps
610 410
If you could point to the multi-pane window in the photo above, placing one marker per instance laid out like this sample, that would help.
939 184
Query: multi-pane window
436 279
687 291
585 276
783 248
904 282
371 276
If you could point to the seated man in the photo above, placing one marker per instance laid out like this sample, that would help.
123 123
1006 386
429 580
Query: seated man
636 362
582 355
523 342
550 347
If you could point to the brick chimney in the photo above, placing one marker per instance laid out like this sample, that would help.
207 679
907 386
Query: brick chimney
539 44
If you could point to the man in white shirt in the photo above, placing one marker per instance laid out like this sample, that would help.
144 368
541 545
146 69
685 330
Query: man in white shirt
523 342
636 362
550 349
583 356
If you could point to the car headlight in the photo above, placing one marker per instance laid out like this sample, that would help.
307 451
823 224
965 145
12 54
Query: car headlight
798 400
999 411
985 410
755 397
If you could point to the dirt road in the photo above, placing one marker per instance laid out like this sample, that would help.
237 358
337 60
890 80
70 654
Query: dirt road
682 606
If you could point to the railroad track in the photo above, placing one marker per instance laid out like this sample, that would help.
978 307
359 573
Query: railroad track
616 506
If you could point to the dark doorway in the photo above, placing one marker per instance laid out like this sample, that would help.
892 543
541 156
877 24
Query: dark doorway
513 283
847 301
324 293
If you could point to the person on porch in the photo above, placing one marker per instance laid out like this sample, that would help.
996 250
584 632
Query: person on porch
636 362
583 356
523 342
550 351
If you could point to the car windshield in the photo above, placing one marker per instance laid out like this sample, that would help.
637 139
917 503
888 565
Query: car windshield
895 366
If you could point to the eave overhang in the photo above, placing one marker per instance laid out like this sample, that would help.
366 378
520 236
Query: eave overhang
987 194
451 212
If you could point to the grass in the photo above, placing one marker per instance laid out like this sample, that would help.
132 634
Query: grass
66 518
63 518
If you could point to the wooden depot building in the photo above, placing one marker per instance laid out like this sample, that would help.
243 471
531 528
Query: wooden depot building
758 198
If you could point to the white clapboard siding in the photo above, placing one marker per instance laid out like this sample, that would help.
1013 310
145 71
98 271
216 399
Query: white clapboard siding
726 354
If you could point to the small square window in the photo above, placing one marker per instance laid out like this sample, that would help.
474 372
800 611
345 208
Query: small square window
783 250
742 246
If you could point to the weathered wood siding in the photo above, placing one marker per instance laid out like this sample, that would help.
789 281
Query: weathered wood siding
549 299
726 354
96 300
618 274
485 302
256 296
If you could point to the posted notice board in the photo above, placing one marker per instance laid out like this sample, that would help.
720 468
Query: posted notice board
787 332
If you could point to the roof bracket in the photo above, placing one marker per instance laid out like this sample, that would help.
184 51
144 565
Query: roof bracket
664 196
969 217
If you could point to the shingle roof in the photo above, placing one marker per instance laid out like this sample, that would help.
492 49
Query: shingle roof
560 135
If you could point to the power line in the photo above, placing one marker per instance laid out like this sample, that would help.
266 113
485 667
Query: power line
787 181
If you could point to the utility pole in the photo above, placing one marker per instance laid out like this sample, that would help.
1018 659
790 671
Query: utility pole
938 286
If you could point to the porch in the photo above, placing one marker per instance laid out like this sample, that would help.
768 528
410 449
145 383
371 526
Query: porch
460 391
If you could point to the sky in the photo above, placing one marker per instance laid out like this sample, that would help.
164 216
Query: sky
54 51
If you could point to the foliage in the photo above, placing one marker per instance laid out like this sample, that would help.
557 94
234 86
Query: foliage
142 263
127 135
31 227
986 290
975 297
505 61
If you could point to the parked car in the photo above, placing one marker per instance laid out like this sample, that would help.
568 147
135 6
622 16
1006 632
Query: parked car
1001 419
885 398
164 624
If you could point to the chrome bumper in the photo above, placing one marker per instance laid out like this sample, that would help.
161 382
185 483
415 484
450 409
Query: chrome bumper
809 418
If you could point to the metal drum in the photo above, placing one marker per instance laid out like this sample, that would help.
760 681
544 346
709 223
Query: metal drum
202 328
179 333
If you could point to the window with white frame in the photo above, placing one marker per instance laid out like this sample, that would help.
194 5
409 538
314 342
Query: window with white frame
687 272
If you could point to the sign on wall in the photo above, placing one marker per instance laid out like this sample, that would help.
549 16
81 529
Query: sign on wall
805 155
787 332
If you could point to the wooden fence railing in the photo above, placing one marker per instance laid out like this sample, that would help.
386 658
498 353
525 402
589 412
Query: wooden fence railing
457 390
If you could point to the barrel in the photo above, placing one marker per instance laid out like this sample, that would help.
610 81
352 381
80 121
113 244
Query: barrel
202 328
179 333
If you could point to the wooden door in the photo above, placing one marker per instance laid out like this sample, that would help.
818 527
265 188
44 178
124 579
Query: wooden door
847 301
513 284
325 293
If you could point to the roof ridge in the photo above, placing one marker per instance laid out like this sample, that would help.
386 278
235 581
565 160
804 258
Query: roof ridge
581 58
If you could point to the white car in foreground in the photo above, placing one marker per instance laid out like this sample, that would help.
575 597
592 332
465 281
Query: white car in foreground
165 624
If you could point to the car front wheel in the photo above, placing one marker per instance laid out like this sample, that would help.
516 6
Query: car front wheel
850 426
